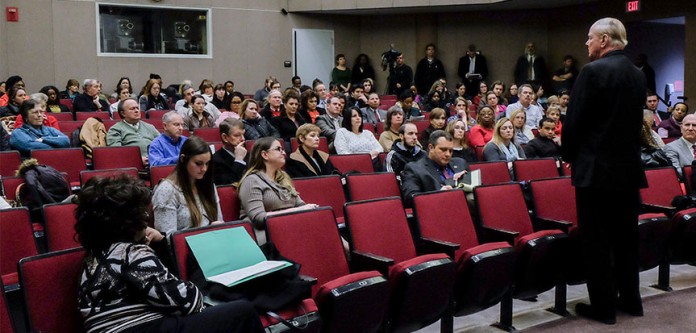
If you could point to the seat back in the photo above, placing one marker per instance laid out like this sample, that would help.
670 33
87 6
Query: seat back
503 207
89 174
9 163
686 172
352 162
453 224
5 320
492 172
208 134
180 249
60 226
663 186
160 172
16 243
69 160
532 169
156 114
554 199
380 227
63 116
117 157
229 202
50 285
323 191
9 187
311 239
366 186
82 116
323 144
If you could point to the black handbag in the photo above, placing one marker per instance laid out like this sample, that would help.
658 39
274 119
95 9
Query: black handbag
654 157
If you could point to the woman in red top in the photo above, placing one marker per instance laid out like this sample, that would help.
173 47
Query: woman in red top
483 131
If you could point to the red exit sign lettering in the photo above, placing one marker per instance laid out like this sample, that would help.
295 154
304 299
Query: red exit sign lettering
632 6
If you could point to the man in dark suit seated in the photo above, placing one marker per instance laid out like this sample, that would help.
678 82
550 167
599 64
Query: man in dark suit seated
546 143
439 171
89 100
229 160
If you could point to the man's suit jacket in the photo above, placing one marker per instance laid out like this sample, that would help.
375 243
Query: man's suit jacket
602 131
480 67
423 176
227 171
680 153
522 68
327 126
369 115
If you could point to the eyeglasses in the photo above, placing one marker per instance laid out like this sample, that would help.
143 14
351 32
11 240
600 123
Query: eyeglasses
278 149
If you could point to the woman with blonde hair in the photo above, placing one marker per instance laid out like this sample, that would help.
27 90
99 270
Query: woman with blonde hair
265 189
502 147
462 147
523 134
308 160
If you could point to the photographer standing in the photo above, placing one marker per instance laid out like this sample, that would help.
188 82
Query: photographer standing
400 77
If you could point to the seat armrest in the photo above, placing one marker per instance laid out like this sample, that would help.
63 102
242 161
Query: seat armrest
652 208
430 246
312 280
363 261
549 224
498 235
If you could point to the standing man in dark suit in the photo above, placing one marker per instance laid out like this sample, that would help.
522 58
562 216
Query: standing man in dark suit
439 171
606 170
530 68
428 70
229 160
472 69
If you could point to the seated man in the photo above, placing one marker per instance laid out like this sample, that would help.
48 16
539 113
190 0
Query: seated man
33 134
229 160
404 150
89 100
131 131
439 171
330 122
546 143
671 127
165 149
183 106
372 113
681 151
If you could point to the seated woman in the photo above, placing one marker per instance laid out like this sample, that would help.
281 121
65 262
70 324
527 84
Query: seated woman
392 124
462 148
123 95
53 103
151 98
220 99
671 128
492 100
33 134
407 102
480 99
308 106
482 132
523 134
502 147
307 160
123 82
48 120
16 96
72 89
511 94
197 116
289 119
554 112
124 287
351 139
438 121
436 100
266 189
187 197
255 126
234 108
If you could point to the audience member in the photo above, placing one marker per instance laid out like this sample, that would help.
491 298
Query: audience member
48 120
123 82
234 108
331 121
480 99
261 94
498 87
461 112
554 113
438 121
183 106
439 171
409 106
198 117
546 143
392 126
651 154
368 86
401 77
220 97
341 75
33 134
308 106
266 189
362 69
530 67
322 93
436 101
274 105
671 128
682 150
16 96
352 139
642 64
649 119
428 70
651 103
12 82
511 94
533 112
502 147
404 150
165 149
523 134
308 160
131 131
89 100
256 126
482 132
357 96
122 96
72 88
461 146
289 119
564 78
229 159
53 103
472 69
492 101
123 284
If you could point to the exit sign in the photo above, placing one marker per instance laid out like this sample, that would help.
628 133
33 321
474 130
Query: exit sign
632 6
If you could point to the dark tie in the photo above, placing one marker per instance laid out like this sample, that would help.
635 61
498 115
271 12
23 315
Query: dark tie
693 149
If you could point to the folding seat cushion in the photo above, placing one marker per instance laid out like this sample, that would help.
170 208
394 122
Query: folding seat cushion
654 233
347 302
49 283
683 240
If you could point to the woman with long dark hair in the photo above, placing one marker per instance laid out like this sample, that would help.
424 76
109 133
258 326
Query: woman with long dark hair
151 98
187 197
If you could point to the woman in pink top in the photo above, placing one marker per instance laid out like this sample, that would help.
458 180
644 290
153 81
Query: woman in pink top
483 131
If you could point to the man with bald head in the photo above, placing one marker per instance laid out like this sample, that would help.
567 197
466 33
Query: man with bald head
607 171
682 150
165 149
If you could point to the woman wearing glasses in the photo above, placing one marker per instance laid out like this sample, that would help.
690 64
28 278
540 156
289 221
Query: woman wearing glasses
33 134
266 189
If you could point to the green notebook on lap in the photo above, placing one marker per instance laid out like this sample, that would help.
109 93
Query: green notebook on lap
230 256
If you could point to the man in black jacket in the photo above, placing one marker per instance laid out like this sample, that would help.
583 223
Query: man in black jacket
546 143
89 100
404 150
229 160
428 70
606 170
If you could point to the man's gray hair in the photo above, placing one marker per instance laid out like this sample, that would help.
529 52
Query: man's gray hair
38 98
614 29
88 83
167 117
